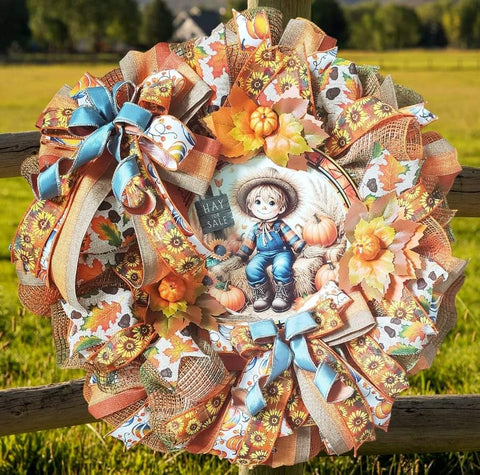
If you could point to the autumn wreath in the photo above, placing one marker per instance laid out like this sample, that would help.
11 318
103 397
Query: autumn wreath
244 241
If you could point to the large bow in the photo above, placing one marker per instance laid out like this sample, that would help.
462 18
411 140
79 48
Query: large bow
111 123
293 347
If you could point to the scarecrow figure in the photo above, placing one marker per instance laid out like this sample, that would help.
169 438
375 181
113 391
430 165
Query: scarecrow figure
268 199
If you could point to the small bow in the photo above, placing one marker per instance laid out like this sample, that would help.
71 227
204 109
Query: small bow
112 123
293 348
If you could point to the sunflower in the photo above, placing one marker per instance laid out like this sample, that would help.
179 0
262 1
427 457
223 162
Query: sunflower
383 110
291 63
175 241
389 380
106 355
25 239
132 258
400 309
176 426
297 418
129 347
43 223
214 405
271 419
287 81
428 201
133 276
27 259
341 140
266 57
303 72
188 264
258 439
142 332
360 345
355 117
357 421
407 208
256 82
193 426
273 392
259 456
374 364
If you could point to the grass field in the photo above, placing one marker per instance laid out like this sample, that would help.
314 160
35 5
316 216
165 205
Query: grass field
450 81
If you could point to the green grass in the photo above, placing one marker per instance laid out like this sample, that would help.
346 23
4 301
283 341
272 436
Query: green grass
450 81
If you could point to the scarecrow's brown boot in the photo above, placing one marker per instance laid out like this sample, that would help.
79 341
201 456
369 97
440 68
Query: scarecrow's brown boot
262 296
283 296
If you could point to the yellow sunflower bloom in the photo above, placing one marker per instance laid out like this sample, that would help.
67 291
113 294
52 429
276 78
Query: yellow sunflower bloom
357 421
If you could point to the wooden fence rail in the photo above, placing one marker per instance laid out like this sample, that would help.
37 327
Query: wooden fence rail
419 423
14 148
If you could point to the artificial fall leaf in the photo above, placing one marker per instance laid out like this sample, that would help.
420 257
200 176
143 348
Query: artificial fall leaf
286 141
244 134
102 316
313 131
294 105
390 172
106 231
166 327
86 272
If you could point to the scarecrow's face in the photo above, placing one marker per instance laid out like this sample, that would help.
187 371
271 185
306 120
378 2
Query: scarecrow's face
266 207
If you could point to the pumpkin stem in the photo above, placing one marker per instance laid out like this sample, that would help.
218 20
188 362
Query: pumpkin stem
221 285
330 264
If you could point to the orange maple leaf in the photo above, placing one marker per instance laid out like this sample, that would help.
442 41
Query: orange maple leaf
86 273
103 315
179 347
390 172
219 59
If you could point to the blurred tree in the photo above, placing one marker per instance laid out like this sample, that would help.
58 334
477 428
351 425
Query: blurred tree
450 20
125 22
157 23
13 23
92 25
432 31
469 12
238 5
400 26
330 17
383 27
48 24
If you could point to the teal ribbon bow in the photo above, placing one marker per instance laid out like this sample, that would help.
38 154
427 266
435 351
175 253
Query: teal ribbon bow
293 349
102 122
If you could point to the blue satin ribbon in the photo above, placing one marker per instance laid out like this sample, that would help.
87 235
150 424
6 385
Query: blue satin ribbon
102 121
294 349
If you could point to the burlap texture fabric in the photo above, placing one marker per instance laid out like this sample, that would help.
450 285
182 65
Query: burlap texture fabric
402 138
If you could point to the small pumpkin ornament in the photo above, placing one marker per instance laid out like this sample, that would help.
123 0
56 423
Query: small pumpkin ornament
384 409
229 296
320 231
326 273
367 247
172 288
263 121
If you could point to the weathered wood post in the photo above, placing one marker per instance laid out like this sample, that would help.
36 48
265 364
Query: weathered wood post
290 9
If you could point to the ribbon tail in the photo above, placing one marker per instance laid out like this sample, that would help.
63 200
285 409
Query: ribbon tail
326 417
332 388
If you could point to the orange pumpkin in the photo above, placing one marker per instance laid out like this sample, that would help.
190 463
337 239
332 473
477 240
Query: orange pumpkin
367 247
325 274
320 231
230 297
172 288
263 121
258 27
384 409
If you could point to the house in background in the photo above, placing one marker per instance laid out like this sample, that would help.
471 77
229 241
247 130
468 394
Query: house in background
195 23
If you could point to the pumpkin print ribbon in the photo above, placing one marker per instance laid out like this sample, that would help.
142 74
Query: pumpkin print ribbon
110 122
291 348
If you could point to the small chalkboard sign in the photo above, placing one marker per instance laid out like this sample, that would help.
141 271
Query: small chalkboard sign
214 213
